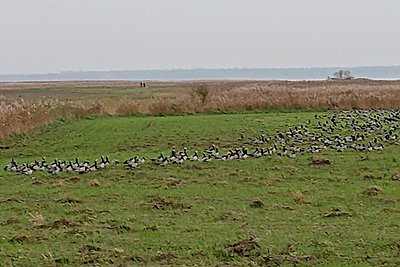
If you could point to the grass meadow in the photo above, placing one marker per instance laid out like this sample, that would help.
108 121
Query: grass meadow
269 211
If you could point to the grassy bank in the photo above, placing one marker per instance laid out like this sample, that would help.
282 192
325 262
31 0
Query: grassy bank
267 211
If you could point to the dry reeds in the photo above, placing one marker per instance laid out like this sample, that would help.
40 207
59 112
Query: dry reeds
20 115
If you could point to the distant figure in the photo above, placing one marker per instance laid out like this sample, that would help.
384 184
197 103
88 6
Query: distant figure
141 84
144 84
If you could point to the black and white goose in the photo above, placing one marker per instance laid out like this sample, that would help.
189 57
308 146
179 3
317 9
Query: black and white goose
12 166
194 157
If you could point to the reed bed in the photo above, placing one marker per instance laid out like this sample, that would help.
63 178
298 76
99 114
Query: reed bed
37 107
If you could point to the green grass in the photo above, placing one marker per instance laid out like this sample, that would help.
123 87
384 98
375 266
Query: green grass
196 214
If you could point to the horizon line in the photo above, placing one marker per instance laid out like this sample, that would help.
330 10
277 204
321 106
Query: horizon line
200 68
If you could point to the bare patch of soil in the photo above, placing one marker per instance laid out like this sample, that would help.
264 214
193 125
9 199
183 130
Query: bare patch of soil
373 190
68 200
396 176
321 161
245 247
63 223
257 203
161 256
337 213
19 239
11 220
162 203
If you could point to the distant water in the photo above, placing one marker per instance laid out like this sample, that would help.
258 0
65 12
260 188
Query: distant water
383 72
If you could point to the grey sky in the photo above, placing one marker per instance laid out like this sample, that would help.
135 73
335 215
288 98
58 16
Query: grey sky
38 36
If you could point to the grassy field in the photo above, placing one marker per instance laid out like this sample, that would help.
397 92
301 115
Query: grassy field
30 105
268 211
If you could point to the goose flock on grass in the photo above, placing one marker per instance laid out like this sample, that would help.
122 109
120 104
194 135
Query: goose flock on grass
357 130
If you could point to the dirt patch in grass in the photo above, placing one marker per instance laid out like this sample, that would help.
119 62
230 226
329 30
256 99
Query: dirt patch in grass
120 228
68 200
285 207
36 181
160 203
257 203
11 220
321 161
86 249
164 257
90 254
337 213
298 197
74 179
369 176
245 248
373 190
232 216
396 176
63 223
19 239
172 182
94 183
12 199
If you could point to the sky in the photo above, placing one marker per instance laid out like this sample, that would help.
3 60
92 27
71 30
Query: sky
42 36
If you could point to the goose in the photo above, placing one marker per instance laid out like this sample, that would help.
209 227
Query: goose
55 170
184 154
215 154
274 149
94 167
36 166
69 167
225 157
242 153
178 160
132 164
257 153
159 159
283 152
85 164
129 160
12 166
142 160
172 156
105 161
194 157
340 148
54 164
101 165
205 158
212 151
370 147
267 152
76 163
83 169
164 162
378 147
26 170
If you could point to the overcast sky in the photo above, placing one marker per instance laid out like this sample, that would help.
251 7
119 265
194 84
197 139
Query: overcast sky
39 36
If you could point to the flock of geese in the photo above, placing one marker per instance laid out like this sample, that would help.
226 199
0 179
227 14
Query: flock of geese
357 130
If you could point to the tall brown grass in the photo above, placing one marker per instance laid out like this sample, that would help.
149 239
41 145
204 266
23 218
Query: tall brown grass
23 115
